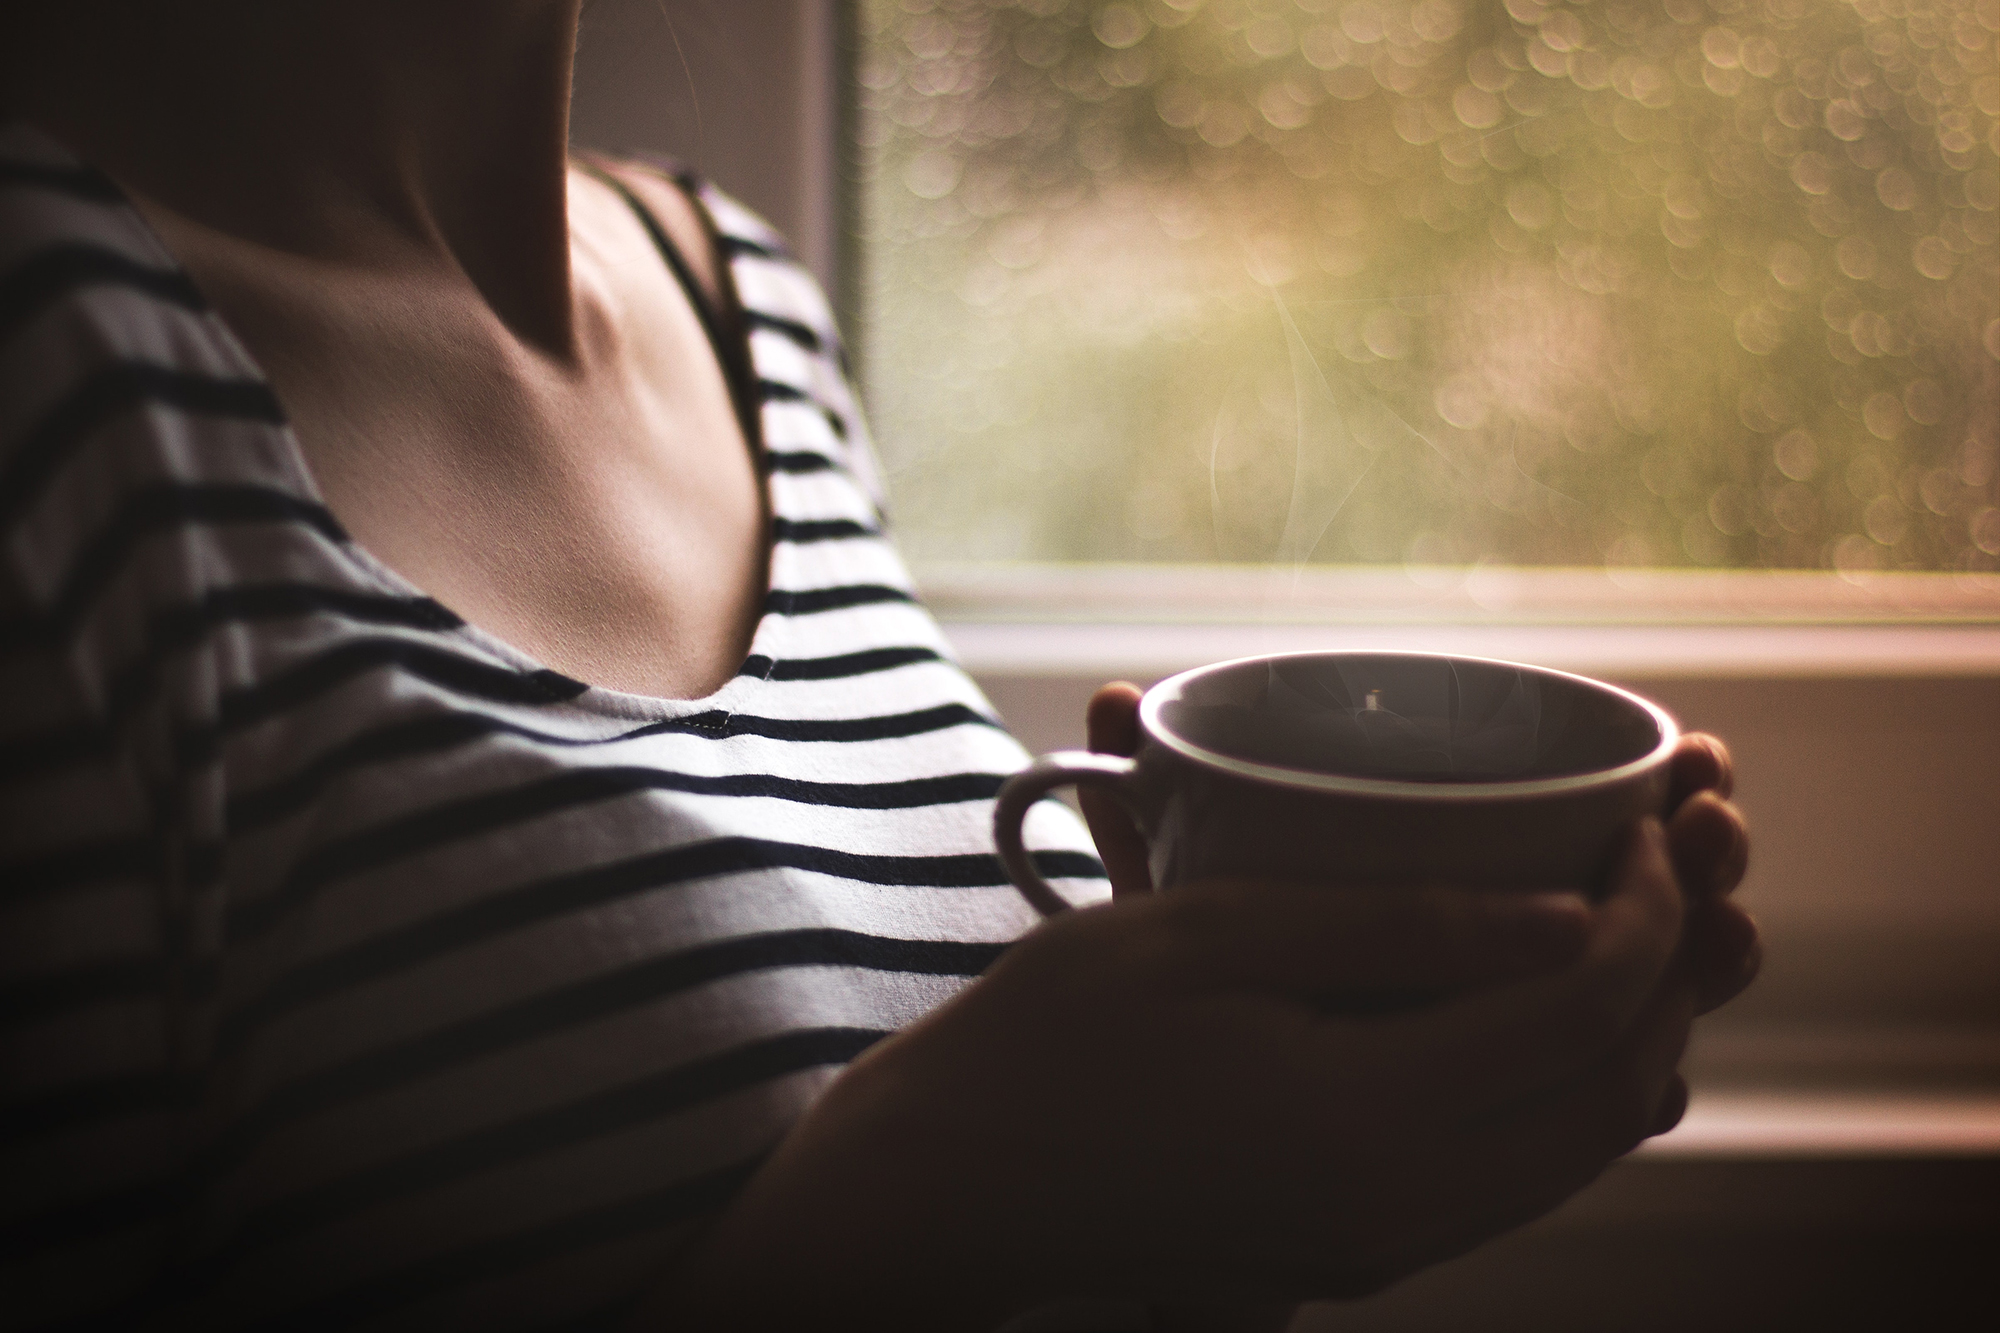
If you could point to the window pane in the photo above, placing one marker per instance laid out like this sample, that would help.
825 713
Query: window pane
1663 282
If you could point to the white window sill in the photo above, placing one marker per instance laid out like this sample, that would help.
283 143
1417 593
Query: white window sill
1148 621
1733 1124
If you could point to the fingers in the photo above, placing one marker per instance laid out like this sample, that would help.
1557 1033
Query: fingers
1710 846
1621 1101
1724 953
1711 851
1507 1169
1700 763
1111 722
1312 943
1503 1045
1111 719
1541 1150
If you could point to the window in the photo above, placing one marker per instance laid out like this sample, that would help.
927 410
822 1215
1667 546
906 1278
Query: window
1431 283
1862 709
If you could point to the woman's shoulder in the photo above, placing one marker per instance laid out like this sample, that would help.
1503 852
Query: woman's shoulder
77 262
96 317
126 409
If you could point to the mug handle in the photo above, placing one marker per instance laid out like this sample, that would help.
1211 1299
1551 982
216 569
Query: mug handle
1083 768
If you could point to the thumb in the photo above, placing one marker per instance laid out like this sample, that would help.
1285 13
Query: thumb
1112 725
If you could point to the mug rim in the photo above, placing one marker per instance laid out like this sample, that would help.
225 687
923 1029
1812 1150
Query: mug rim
1403 789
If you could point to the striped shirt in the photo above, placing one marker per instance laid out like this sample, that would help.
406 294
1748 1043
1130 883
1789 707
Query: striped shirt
356 970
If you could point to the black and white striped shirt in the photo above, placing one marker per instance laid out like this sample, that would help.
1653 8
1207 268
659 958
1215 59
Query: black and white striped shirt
357 969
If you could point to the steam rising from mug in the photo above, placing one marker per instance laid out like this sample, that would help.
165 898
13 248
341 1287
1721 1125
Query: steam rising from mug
1442 725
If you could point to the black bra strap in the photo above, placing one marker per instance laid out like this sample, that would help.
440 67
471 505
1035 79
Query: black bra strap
731 351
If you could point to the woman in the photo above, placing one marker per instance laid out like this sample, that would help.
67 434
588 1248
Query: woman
369 967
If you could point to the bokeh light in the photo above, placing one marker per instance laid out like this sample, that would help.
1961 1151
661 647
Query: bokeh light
1658 282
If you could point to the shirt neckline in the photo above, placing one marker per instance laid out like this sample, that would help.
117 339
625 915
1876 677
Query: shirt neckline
597 698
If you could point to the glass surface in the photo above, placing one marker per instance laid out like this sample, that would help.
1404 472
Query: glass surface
1629 282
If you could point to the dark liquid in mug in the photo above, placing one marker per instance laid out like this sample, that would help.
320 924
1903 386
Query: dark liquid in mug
1410 718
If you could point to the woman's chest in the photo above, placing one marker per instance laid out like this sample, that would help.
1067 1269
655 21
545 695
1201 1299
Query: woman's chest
594 504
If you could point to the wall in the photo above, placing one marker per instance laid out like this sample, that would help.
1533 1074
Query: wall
737 89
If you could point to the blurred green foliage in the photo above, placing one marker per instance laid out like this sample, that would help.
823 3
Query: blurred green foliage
1659 282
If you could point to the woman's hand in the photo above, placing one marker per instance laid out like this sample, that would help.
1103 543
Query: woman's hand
1158 1097
1709 844
1710 847
1161 1097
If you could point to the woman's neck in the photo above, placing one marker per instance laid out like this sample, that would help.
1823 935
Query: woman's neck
380 133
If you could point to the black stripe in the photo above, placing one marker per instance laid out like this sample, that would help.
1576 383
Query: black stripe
777 391
250 810
251 704
833 668
468 817
96 859
809 601
81 182
182 626
843 730
573 891
540 1017
82 987
429 734
55 747
737 246
426 829
166 505
94 1099
597 1116
510 910
797 461
257 703
177 628
480 1037
48 275
800 531
803 334
111 390
743 1067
